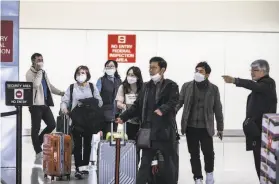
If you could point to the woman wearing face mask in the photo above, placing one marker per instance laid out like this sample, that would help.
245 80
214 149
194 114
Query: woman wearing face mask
108 86
127 94
82 89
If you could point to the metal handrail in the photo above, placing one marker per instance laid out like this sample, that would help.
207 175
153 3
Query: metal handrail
18 113
4 114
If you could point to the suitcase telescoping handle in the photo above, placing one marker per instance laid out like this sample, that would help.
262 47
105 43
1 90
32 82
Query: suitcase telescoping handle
66 123
66 120
117 143
117 160
123 133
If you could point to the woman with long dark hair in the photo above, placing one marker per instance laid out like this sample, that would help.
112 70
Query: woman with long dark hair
127 94
108 86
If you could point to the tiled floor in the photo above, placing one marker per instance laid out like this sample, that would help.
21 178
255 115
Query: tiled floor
233 165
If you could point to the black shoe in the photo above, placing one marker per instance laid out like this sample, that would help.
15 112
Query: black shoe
78 175
85 172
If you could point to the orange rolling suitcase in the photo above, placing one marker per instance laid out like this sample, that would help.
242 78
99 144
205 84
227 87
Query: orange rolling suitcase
57 154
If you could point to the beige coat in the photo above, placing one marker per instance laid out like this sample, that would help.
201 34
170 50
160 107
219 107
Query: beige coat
36 77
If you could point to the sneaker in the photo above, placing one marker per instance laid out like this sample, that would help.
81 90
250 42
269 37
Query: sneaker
209 178
85 172
198 181
78 175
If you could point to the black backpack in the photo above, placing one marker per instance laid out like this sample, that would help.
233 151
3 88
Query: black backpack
71 93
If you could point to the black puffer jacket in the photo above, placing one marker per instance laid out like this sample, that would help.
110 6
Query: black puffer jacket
87 118
262 99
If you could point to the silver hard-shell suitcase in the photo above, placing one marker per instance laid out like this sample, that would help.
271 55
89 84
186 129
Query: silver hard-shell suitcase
107 159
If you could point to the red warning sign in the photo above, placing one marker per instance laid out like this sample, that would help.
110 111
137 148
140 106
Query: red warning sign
6 43
122 48
18 94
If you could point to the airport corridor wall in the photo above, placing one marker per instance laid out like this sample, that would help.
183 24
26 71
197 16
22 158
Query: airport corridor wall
228 35
227 53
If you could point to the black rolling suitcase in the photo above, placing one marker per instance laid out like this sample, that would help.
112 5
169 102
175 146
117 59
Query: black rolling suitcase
62 124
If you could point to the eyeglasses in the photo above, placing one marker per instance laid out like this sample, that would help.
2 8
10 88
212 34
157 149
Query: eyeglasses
153 68
254 70
110 67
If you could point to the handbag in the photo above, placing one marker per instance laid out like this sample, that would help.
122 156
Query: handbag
143 138
250 128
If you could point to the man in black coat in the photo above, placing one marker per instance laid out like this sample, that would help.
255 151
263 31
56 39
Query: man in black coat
262 100
155 105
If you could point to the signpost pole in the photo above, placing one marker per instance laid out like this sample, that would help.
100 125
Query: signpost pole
18 94
18 144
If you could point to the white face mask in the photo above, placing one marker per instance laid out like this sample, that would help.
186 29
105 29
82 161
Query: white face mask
131 80
110 72
199 77
156 77
81 78
41 65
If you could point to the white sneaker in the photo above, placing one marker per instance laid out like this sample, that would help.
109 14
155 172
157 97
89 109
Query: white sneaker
39 155
209 178
198 181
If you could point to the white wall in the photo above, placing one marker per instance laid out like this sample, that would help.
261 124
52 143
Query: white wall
227 52
221 15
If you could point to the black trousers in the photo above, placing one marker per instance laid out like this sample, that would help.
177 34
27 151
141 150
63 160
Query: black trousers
145 173
132 130
39 113
196 138
81 159
257 156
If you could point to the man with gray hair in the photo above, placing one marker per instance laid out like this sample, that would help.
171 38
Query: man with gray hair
263 99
